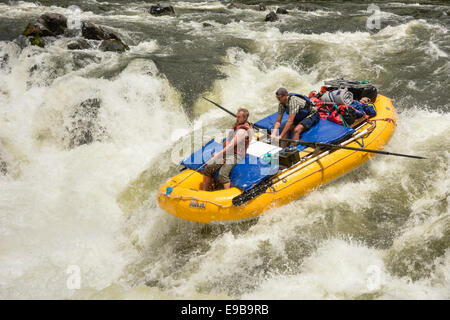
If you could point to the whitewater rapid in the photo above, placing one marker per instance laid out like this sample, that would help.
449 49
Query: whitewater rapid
380 232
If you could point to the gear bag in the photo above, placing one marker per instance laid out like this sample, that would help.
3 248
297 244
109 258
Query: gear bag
344 114
359 89
340 96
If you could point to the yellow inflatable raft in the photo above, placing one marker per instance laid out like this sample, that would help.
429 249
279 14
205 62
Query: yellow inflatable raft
315 168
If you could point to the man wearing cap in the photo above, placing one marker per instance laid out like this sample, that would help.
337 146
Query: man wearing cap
302 115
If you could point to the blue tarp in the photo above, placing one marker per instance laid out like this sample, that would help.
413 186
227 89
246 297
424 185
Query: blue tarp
324 131
252 170
269 121
245 174
199 157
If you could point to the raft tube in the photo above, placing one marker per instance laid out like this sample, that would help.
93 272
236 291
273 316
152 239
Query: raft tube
187 201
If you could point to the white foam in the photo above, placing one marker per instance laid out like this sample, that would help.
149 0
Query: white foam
61 207
62 210
345 270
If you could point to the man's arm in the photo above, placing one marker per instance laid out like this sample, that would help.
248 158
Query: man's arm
238 138
276 125
288 124
251 133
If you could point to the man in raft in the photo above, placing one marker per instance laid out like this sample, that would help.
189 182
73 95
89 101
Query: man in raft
235 148
302 115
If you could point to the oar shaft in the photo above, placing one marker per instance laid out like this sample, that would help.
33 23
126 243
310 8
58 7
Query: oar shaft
194 171
315 144
228 111
218 105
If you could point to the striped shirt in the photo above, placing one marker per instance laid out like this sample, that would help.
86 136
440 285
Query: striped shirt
295 105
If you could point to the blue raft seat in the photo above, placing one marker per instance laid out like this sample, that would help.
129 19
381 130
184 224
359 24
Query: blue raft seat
252 170
324 131
245 174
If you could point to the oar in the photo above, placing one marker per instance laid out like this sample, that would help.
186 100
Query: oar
335 146
262 187
315 144
170 189
228 111
218 105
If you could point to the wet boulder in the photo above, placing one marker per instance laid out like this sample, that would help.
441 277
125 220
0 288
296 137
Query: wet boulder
37 29
115 45
37 41
93 31
85 127
281 11
48 25
3 167
4 60
72 33
79 44
162 9
55 22
110 41
271 17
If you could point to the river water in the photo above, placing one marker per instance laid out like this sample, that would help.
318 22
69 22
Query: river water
87 137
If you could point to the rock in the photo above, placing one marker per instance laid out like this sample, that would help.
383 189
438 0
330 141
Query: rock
93 31
37 41
115 45
206 24
307 7
84 127
55 22
33 69
71 33
79 44
110 42
4 60
37 29
162 9
262 7
48 25
3 167
271 17
282 11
